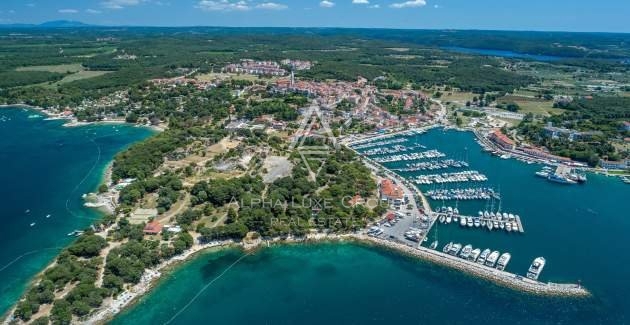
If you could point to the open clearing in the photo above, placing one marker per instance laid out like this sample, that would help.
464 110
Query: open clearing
61 68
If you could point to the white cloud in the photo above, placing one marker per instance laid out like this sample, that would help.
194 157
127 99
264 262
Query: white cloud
93 11
326 4
409 4
271 6
361 2
30 5
68 11
223 5
120 4
436 6
376 6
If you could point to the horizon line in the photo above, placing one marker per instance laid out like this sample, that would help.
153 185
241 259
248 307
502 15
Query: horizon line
88 25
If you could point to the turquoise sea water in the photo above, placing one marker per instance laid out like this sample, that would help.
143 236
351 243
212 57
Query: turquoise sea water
44 169
580 230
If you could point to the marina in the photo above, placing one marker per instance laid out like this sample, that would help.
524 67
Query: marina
459 177
462 194
397 148
433 165
484 221
488 220
430 154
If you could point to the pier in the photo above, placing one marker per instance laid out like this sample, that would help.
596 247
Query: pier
499 277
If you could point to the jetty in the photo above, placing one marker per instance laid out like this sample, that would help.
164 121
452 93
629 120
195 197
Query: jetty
499 277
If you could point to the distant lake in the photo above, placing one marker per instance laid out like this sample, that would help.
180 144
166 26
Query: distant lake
503 54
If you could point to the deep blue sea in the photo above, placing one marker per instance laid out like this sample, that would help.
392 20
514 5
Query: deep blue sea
582 231
45 168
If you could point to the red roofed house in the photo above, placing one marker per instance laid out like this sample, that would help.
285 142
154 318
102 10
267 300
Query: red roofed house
391 192
501 140
153 228
357 199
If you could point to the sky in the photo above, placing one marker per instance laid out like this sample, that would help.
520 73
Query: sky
546 15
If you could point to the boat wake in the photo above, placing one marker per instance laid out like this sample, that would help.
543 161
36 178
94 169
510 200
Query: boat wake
204 289
98 159
26 254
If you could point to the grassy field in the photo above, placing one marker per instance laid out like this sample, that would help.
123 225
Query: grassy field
62 68
456 97
84 74
76 72
532 105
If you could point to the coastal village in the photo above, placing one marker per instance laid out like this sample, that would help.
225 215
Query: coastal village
373 123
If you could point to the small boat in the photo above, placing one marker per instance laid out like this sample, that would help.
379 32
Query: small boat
27 211
483 223
442 219
434 244
47 216
462 221
508 226
32 224
469 222
537 266
502 225
490 226
449 219
484 255
476 222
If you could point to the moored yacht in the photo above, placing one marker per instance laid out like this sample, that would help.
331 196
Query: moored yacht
466 251
484 255
537 266
469 222
449 218
474 254
462 221
455 249
477 222
447 248
503 261
492 259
